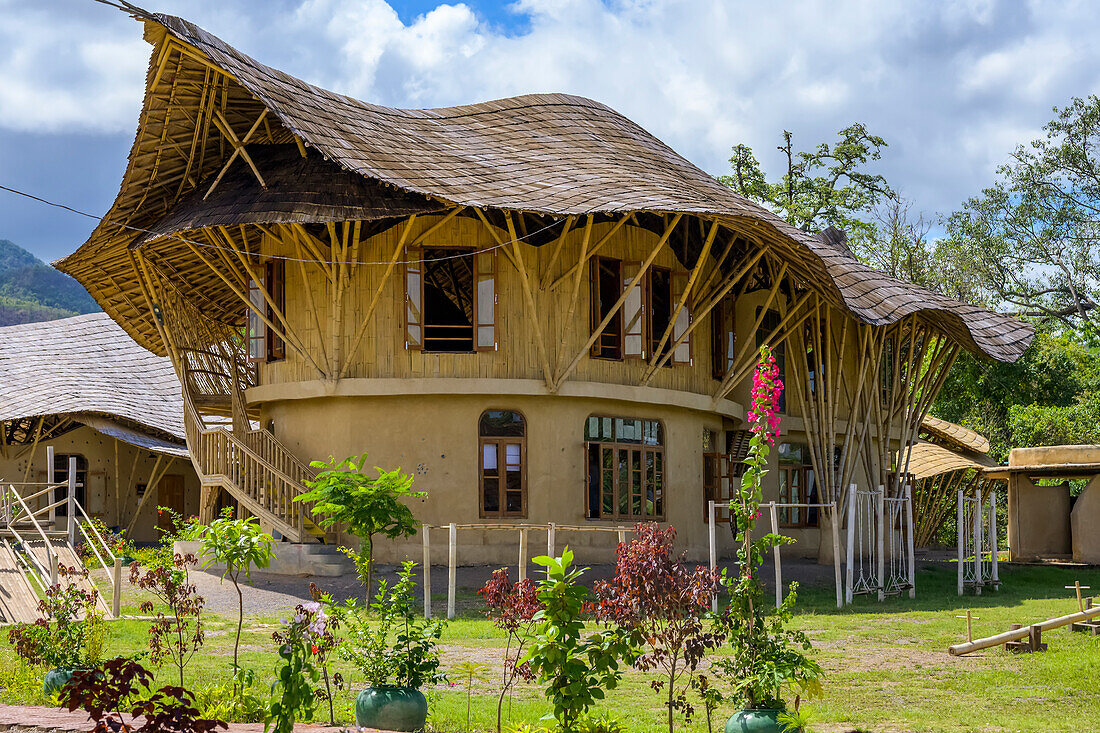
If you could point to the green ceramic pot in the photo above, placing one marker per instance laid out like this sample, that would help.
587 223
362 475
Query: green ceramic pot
755 720
388 707
54 680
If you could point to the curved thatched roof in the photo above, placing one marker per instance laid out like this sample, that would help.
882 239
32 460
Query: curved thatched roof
550 154
955 435
87 364
928 459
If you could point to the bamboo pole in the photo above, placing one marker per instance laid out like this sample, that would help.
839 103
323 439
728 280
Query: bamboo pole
116 590
452 566
576 291
522 564
774 514
713 551
853 497
961 544
835 531
909 540
424 534
880 505
551 540
560 243
957 650
593 251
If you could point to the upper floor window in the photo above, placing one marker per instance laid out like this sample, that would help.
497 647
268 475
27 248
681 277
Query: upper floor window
769 323
61 476
266 296
450 299
636 329
625 468
723 339
503 448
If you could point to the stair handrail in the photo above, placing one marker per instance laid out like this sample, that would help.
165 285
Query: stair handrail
302 470
34 522
95 531
43 579
88 540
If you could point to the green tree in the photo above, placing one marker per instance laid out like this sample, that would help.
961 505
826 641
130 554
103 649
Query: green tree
1033 238
1054 383
369 505
826 186
239 544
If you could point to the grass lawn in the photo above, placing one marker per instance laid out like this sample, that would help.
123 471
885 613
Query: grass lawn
888 667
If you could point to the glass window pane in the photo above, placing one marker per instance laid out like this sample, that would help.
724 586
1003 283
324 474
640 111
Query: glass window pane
624 482
659 483
608 482
512 457
501 423
636 482
491 494
489 458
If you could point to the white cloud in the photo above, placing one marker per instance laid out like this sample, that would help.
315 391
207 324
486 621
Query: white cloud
951 86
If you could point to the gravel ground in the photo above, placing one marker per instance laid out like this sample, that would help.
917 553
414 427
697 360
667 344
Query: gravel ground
269 594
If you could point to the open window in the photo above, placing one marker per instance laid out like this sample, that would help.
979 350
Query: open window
503 456
607 277
636 329
625 468
450 300
722 338
266 296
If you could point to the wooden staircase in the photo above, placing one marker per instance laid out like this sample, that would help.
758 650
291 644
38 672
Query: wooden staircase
259 472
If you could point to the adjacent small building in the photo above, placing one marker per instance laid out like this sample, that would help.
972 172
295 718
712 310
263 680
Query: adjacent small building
84 388
1045 519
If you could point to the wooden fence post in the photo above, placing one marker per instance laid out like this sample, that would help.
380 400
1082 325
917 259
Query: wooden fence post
551 540
977 529
961 516
523 555
909 541
713 551
116 600
775 556
853 497
452 564
996 578
53 564
70 503
880 545
835 522
425 536
51 495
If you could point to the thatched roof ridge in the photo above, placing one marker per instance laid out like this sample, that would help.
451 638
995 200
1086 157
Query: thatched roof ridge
552 154
87 364
928 459
955 435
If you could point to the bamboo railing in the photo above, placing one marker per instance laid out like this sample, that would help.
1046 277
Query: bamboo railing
257 471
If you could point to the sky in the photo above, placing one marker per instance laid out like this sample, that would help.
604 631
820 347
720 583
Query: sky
953 87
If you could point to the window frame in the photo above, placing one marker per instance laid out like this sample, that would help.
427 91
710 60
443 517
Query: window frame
596 311
472 252
614 447
61 466
810 518
502 489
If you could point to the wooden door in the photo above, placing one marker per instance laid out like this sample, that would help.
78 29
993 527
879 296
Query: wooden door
170 494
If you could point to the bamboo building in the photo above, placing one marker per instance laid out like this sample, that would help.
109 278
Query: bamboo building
83 388
532 305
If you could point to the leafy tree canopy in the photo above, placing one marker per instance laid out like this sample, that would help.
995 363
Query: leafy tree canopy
822 187
1033 238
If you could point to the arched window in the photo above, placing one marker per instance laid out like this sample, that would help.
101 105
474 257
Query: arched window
503 454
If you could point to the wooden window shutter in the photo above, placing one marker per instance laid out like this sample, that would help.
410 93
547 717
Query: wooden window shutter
594 302
725 340
257 329
485 301
683 353
414 298
633 314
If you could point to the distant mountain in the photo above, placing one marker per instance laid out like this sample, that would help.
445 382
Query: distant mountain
31 290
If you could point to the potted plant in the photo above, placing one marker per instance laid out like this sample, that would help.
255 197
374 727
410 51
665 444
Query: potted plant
70 634
398 654
767 657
